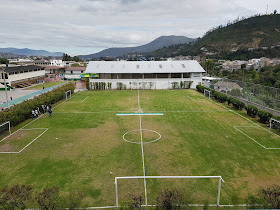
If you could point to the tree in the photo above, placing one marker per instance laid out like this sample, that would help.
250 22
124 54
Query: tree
4 61
255 75
275 12
208 65
66 57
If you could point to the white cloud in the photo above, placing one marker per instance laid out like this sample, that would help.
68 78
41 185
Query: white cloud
90 25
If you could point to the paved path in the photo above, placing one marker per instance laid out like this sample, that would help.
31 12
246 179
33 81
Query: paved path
21 95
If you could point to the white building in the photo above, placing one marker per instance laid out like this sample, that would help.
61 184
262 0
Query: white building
74 73
145 74
22 76
208 81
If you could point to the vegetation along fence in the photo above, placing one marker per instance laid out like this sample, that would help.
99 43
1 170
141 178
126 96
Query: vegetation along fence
249 93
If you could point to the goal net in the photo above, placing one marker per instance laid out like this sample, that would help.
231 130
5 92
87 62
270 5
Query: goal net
274 124
67 95
207 93
5 128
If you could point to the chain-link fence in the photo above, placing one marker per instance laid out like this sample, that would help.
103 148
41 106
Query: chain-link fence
265 96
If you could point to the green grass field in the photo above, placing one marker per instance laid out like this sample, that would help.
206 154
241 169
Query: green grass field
84 143
47 85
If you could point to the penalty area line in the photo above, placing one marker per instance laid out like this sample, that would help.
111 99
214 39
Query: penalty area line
45 130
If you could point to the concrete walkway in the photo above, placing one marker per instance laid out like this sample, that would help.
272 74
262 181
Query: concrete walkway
19 95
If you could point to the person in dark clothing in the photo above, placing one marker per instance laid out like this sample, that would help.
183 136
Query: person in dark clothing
50 110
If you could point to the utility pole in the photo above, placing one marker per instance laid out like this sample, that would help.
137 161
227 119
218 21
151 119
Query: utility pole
5 86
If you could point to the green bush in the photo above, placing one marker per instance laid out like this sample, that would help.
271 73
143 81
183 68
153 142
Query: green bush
201 88
219 96
22 111
252 111
237 104
264 117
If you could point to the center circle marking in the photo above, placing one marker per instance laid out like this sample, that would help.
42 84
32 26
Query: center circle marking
159 136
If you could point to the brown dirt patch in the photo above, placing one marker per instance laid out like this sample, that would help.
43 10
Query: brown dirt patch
18 135
7 148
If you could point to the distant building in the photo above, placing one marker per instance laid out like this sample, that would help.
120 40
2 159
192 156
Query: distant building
208 81
145 74
226 86
74 73
22 76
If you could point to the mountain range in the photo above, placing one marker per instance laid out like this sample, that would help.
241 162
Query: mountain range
257 36
29 52
163 41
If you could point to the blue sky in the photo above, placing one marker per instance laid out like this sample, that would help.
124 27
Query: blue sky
89 26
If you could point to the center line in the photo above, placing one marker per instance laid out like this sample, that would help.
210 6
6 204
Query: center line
142 147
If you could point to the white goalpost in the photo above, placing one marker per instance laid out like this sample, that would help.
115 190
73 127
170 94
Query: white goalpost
274 123
207 92
169 177
67 95
5 126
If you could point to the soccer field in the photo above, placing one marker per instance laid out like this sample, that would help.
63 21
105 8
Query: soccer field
96 136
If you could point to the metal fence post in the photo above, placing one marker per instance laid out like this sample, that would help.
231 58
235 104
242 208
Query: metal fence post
219 191
116 188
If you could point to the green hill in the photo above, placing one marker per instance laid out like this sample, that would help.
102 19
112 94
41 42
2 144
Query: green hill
255 32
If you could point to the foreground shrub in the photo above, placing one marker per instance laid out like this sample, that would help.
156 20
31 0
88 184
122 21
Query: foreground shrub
22 111
267 198
15 197
48 198
264 117
171 199
252 111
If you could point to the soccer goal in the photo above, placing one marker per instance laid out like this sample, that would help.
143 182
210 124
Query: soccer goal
6 126
168 177
207 93
67 95
274 124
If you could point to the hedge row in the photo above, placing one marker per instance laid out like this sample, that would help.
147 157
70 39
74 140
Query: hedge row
252 111
22 111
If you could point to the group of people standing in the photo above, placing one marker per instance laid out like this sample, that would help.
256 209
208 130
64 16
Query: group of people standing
36 112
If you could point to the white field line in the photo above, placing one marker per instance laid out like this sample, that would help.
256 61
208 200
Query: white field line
142 148
190 111
236 127
249 137
84 99
191 98
90 112
45 130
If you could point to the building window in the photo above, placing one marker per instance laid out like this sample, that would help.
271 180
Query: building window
186 75
162 76
137 66
82 71
178 75
160 66
137 76
71 72
196 75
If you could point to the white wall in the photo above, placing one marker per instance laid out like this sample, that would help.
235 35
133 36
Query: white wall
22 76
